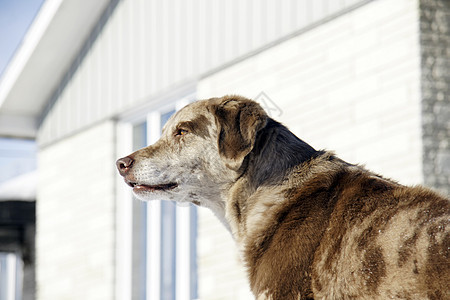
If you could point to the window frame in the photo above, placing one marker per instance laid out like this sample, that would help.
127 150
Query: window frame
184 249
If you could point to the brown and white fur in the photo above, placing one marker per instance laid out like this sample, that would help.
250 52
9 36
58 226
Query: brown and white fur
308 224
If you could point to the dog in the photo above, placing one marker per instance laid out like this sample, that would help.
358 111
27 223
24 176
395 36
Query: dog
308 224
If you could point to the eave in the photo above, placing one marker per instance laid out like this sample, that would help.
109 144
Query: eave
53 41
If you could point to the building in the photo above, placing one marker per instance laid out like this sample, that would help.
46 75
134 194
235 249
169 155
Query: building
17 237
95 79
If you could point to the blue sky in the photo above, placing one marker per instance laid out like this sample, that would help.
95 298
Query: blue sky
16 156
15 18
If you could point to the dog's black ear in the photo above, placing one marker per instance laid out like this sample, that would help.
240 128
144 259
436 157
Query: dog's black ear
238 121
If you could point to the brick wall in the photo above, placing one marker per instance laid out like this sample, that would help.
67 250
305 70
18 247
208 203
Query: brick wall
351 85
221 274
75 217
435 54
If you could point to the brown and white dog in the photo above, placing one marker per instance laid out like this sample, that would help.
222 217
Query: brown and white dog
308 224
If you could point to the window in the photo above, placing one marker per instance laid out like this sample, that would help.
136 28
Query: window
161 261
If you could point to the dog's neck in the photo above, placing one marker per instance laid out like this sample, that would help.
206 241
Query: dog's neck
277 150
276 153
217 205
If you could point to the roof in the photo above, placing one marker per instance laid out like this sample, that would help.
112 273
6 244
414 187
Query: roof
54 39
22 187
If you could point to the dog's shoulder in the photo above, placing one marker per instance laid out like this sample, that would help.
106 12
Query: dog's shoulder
330 219
282 241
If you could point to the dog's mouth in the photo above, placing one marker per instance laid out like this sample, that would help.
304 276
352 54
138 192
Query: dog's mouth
151 188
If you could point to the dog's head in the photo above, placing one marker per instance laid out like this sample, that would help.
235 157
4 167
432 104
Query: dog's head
200 152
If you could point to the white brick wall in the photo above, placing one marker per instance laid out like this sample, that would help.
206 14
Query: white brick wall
221 274
75 217
351 85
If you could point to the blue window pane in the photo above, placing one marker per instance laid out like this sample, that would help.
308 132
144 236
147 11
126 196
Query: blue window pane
193 246
139 225
139 135
165 117
168 240
168 250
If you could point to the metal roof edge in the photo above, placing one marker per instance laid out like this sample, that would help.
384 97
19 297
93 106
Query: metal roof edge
31 39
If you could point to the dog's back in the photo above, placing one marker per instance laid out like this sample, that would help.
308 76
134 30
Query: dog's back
362 236
392 241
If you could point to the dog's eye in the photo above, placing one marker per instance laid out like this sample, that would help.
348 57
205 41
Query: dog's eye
181 132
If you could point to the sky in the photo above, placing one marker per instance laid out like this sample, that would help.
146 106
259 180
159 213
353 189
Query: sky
16 156
15 18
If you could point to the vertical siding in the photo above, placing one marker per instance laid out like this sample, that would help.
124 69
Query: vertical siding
142 48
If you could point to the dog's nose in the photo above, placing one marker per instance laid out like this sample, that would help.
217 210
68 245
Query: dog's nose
124 164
